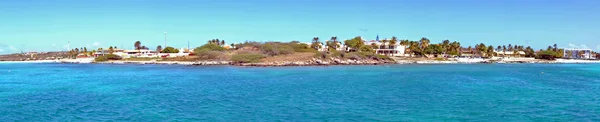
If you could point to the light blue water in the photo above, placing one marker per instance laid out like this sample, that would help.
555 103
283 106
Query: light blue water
475 92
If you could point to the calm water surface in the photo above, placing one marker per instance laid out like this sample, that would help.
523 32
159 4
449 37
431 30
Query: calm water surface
476 92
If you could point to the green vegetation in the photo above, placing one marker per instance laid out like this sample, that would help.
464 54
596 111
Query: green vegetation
551 53
169 50
107 57
247 57
276 48
141 59
209 47
210 55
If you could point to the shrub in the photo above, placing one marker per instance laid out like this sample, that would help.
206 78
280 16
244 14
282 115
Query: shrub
169 50
209 47
366 48
547 54
248 44
301 47
440 59
273 49
335 53
322 55
107 57
209 55
247 57
381 57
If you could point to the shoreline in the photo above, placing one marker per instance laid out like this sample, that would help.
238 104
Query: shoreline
313 62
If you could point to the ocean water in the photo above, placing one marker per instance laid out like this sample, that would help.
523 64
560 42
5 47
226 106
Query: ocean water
460 92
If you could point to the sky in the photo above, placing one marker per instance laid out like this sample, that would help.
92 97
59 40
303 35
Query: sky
49 25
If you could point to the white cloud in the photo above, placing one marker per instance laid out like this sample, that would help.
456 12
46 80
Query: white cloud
583 46
12 48
96 44
573 46
1 50
598 47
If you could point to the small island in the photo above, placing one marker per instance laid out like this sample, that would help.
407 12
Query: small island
355 51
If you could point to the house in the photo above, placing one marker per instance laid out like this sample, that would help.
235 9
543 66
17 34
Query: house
577 54
387 48
510 54
142 53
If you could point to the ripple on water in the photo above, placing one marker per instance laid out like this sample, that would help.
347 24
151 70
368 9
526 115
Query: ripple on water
79 92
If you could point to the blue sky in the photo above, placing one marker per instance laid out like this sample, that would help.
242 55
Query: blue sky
43 25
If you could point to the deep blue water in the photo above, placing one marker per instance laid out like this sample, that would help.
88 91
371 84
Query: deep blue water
472 92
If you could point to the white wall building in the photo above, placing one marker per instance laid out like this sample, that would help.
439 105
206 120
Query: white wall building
577 53
387 49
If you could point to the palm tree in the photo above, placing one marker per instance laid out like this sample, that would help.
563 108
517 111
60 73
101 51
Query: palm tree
555 47
424 43
393 42
383 43
446 45
404 42
315 43
503 50
490 51
470 49
498 48
111 50
374 46
137 45
222 42
159 49
335 42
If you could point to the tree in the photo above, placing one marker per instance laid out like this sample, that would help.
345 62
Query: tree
111 50
169 50
335 42
470 50
354 44
446 46
424 42
222 42
555 47
393 42
490 51
137 45
315 43
374 46
498 48
481 49
503 50
85 50
529 52
383 43
159 48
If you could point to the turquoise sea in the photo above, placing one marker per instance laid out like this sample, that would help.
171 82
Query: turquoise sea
457 92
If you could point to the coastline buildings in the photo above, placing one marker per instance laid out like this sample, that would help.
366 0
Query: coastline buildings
510 53
387 48
578 54
142 53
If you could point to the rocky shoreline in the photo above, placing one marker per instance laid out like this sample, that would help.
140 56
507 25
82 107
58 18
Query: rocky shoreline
313 62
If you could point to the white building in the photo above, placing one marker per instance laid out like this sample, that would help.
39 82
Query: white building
578 54
387 48
510 54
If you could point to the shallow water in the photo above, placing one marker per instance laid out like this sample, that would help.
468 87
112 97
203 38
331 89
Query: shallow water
457 92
